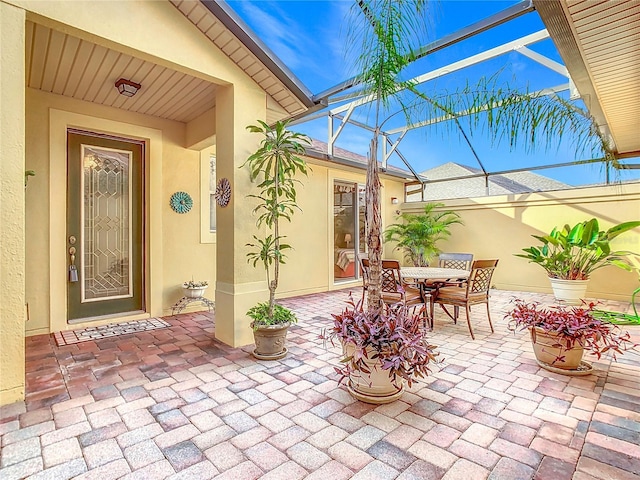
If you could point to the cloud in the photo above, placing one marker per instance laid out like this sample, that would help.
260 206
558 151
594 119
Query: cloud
304 35
278 31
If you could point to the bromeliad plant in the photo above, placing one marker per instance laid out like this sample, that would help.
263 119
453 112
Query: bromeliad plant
393 336
573 253
574 326
274 165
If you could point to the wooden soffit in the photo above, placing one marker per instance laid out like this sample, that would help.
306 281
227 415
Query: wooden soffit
599 41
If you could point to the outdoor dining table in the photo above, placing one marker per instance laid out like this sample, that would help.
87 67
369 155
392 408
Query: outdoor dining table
422 275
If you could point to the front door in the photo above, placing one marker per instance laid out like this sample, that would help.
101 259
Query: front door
105 241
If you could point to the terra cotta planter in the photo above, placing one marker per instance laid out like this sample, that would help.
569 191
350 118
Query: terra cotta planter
270 341
551 350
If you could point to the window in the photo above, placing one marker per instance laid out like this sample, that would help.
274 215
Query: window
208 178
212 192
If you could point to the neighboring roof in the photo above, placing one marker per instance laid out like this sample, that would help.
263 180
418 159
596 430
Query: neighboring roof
234 37
598 41
319 149
504 184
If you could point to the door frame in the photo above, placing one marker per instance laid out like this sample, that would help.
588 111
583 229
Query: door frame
59 122
85 309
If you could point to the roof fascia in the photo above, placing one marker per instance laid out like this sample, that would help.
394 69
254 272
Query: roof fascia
556 18
243 32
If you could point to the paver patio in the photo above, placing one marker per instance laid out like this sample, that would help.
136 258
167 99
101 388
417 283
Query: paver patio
175 403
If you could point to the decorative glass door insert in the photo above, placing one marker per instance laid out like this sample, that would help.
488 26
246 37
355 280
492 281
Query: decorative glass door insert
106 216
105 225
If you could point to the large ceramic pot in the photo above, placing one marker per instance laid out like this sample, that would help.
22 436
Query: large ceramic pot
375 387
548 348
570 292
270 341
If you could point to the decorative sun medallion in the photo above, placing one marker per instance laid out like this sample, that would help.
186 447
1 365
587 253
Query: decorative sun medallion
181 202
223 192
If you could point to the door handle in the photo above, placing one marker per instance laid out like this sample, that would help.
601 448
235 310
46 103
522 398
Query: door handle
73 271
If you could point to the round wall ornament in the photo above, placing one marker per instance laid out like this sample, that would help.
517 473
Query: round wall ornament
181 202
223 192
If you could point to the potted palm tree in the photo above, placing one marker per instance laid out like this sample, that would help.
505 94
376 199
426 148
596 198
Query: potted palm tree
569 255
418 234
387 35
275 165
382 352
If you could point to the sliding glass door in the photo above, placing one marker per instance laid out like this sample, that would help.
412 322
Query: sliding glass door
348 229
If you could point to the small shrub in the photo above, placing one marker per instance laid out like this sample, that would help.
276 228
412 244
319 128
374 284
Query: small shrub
393 334
572 325
260 315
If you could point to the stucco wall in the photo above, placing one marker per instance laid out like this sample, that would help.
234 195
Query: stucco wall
184 255
499 227
12 218
309 266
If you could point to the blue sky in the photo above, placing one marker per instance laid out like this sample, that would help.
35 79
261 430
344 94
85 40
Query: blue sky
309 37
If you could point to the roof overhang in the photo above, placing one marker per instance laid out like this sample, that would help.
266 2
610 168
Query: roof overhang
599 41
231 34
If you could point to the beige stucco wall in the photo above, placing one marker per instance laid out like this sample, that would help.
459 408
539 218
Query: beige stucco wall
499 227
178 253
309 266
12 217
176 250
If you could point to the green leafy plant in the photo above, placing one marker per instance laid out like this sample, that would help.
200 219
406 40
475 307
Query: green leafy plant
418 234
573 253
274 165
261 317
620 318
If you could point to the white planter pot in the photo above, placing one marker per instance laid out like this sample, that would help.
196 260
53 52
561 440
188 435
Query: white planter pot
570 292
194 292
375 387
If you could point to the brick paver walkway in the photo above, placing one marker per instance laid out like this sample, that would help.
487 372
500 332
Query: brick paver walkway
175 403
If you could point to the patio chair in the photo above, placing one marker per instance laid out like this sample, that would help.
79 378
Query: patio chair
474 291
394 289
461 261
364 273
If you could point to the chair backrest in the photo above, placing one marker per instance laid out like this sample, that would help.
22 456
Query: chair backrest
391 279
480 276
461 261
364 271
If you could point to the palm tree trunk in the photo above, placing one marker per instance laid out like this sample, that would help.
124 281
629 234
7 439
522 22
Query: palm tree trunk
374 228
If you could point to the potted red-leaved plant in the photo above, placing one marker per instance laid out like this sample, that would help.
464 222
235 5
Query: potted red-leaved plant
561 334
382 350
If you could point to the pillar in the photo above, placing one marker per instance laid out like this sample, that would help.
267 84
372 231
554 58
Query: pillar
12 204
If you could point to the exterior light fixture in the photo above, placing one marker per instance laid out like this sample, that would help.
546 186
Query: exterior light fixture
394 200
127 87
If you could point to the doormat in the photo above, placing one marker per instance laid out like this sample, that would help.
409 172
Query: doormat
111 330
